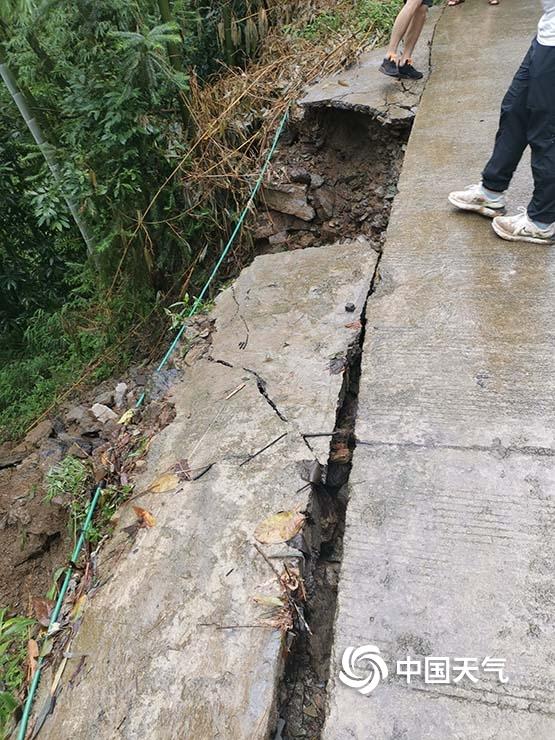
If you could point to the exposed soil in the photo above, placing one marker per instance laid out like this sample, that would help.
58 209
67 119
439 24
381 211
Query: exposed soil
340 167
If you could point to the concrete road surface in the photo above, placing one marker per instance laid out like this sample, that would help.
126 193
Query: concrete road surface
449 540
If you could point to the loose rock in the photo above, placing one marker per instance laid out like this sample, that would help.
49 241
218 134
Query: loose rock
289 199
119 396
40 432
103 413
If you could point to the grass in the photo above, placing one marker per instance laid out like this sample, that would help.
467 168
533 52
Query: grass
14 634
70 482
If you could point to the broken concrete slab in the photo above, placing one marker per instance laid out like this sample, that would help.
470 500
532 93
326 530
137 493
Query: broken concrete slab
361 88
448 550
175 645
285 320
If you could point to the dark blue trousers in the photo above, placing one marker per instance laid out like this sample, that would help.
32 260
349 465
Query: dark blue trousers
528 119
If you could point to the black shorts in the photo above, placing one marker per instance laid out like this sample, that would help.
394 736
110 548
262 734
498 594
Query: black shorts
429 3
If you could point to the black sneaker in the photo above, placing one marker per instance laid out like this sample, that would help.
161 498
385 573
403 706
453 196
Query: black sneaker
389 68
408 72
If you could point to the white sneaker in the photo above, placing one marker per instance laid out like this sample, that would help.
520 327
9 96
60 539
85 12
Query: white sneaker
474 199
519 228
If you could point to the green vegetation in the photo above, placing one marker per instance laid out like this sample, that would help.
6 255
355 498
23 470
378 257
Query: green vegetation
70 483
361 17
14 633
127 148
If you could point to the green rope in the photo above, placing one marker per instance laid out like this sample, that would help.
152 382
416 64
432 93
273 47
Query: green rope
94 501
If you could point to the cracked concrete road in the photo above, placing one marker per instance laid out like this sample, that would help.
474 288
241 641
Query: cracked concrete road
174 643
449 535
361 89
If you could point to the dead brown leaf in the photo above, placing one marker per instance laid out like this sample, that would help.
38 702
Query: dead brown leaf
270 601
32 657
144 517
42 609
354 325
78 607
279 527
340 453
165 483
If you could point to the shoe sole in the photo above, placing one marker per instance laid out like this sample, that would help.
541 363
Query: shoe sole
482 210
519 238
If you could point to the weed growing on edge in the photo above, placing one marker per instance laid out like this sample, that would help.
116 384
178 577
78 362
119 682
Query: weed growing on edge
70 483
14 633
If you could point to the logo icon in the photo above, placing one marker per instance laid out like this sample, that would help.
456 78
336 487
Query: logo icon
363 668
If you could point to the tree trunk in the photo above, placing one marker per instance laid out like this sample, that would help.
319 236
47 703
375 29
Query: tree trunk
46 150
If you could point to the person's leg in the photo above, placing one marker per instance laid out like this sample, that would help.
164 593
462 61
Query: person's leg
413 34
487 198
541 135
542 142
401 25
537 224
512 136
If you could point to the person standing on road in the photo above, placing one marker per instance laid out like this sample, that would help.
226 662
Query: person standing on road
527 119
407 28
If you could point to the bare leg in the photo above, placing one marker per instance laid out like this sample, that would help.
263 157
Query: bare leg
413 33
401 26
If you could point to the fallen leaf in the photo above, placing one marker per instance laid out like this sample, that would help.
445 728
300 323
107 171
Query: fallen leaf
78 608
279 527
46 648
58 676
343 83
43 609
166 482
106 461
340 453
290 581
32 656
145 517
270 601
127 417
354 325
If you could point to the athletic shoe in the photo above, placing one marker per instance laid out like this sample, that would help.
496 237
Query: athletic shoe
474 199
389 67
519 228
408 72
